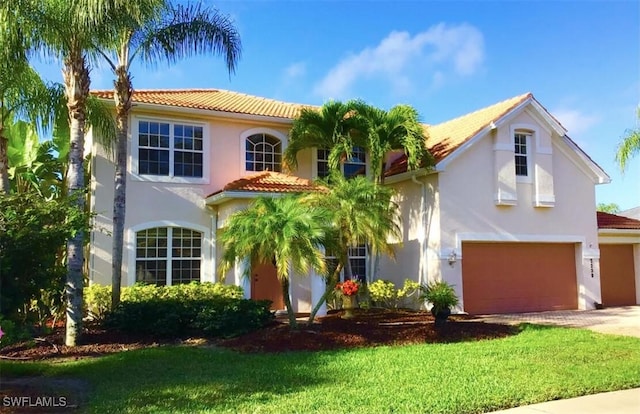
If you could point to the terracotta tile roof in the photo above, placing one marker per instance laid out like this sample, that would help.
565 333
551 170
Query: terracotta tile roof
613 221
446 137
213 100
271 182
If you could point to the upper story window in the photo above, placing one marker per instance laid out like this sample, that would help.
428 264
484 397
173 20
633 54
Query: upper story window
354 166
170 149
522 143
263 152
168 255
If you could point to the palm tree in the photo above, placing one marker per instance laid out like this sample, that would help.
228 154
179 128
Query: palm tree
333 128
153 30
629 147
398 129
66 30
361 211
282 230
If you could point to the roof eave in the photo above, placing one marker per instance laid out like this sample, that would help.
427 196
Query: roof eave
224 196
620 232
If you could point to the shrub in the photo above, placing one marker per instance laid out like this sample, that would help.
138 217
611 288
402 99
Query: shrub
12 332
384 293
98 297
441 295
171 317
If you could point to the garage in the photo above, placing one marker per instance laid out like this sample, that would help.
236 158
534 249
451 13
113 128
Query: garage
617 275
518 277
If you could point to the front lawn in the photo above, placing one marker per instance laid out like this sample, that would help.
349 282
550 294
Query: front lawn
539 364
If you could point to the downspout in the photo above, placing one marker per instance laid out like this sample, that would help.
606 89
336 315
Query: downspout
214 244
422 262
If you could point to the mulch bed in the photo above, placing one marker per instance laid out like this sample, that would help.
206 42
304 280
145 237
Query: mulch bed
372 327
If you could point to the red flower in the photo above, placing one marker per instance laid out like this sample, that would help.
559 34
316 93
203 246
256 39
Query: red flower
348 287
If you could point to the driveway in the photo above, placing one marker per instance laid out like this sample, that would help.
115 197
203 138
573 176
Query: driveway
619 321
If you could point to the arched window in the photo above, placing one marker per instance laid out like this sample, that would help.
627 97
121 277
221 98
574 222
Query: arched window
168 255
263 152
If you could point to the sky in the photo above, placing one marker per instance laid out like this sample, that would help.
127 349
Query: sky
580 59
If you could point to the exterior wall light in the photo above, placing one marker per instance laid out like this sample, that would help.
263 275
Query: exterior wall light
453 257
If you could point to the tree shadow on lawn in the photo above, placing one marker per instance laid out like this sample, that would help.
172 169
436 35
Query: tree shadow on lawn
188 379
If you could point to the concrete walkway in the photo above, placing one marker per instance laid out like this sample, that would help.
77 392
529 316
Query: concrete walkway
616 402
619 321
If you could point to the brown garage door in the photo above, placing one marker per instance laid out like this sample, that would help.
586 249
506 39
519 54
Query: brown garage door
518 277
617 276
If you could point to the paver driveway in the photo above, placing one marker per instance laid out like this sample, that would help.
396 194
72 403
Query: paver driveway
620 321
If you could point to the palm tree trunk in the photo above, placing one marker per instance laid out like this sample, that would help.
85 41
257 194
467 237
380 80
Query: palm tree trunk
4 164
284 282
122 99
76 81
331 285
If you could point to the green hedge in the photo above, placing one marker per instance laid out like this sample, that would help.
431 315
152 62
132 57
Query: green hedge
172 317
97 298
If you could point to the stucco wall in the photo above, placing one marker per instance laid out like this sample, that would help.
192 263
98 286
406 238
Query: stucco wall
153 203
469 210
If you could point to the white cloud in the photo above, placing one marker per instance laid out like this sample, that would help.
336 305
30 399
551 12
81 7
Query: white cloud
442 48
576 122
295 70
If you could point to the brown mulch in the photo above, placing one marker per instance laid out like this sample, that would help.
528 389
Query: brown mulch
372 327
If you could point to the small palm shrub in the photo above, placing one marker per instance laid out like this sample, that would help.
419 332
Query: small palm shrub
440 295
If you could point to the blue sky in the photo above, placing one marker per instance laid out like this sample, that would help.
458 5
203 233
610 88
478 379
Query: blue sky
580 59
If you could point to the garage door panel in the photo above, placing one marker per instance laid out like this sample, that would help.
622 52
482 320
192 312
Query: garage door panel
518 277
617 275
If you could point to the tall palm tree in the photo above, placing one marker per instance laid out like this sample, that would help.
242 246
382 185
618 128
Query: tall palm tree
281 229
333 128
361 211
66 30
154 30
398 129
629 147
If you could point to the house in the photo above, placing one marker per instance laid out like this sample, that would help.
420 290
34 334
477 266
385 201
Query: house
633 213
507 215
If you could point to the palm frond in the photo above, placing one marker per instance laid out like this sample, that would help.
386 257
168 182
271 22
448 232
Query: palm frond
628 148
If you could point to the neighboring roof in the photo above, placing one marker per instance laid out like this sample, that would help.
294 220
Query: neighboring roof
213 100
632 212
270 182
614 221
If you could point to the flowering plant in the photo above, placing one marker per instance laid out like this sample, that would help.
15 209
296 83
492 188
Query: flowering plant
348 287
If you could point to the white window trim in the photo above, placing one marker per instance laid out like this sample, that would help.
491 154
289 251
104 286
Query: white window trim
207 273
243 146
133 156
531 131
314 164
366 263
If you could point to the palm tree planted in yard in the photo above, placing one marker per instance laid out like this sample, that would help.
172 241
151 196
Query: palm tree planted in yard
361 212
398 129
65 30
151 31
333 128
281 230
629 146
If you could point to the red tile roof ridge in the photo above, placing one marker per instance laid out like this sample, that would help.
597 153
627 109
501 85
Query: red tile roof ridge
614 221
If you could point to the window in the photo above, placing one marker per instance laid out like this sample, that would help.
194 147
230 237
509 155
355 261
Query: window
263 152
521 154
170 149
168 255
357 258
354 166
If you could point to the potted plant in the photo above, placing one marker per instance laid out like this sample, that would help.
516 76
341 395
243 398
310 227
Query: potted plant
442 297
348 290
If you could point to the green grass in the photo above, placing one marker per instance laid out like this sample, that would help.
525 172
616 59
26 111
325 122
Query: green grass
539 364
